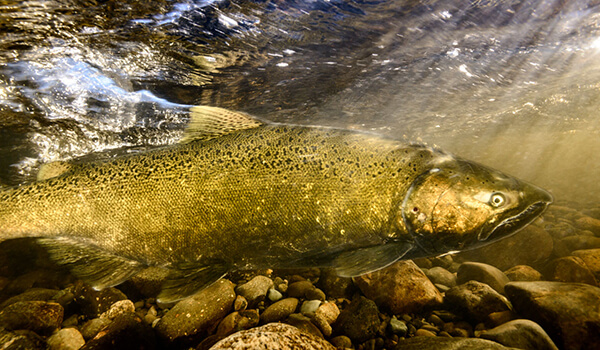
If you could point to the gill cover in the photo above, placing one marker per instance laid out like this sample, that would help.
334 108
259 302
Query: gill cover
459 205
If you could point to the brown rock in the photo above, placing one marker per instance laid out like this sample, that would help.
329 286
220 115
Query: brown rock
530 246
237 321
588 223
273 336
568 312
402 288
325 316
38 316
279 311
299 289
475 300
484 273
335 286
523 273
359 321
591 258
573 269
191 317
579 242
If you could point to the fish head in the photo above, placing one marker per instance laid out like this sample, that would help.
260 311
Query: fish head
460 205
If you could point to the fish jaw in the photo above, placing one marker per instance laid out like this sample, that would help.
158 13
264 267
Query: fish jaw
460 205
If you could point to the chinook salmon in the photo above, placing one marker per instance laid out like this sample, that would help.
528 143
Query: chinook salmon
239 193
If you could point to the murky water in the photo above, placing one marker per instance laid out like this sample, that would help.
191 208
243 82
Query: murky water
513 84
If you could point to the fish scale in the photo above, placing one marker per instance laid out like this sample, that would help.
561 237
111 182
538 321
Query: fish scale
240 193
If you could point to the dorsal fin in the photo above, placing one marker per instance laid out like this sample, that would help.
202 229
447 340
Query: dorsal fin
210 122
53 169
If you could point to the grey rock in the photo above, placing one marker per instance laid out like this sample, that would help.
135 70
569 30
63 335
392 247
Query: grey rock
439 275
94 326
443 343
274 295
275 336
191 317
569 312
401 287
66 339
237 321
126 331
475 300
526 247
255 290
309 307
21 340
484 273
523 273
39 316
279 311
522 334
359 321
397 327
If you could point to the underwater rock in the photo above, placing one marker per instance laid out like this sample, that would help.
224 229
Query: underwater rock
21 340
398 327
275 336
444 343
523 273
342 342
93 302
127 331
580 242
359 321
439 275
255 290
94 326
309 307
66 339
304 324
237 321
325 316
401 287
484 273
335 286
279 311
274 295
588 223
475 300
118 308
33 294
38 316
591 258
299 289
529 246
573 269
569 312
191 317
522 334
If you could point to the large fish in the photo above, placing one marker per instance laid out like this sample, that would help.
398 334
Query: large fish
239 193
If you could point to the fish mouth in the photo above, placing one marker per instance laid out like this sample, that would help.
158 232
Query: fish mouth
515 223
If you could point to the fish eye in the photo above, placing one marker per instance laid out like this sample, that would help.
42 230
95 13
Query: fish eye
497 200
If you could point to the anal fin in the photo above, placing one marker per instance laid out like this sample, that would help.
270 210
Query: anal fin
99 268
188 278
360 261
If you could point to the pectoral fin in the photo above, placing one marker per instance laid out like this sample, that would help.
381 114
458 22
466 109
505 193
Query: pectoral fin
364 260
186 279
210 122
97 267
